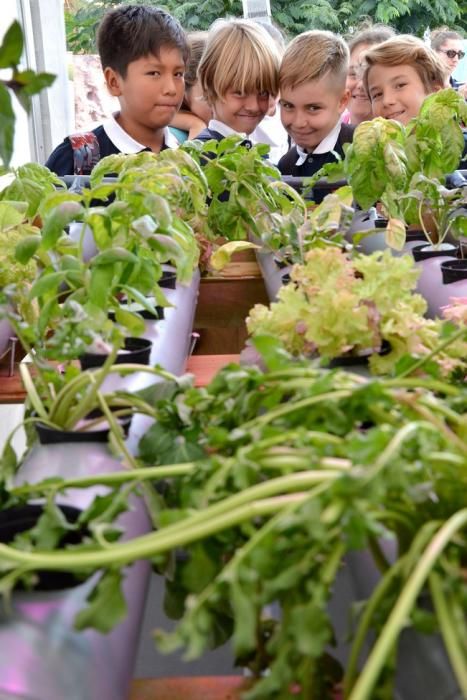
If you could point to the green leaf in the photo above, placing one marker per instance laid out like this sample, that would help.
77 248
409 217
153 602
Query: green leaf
395 234
26 248
114 255
101 285
7 125
131 321
221 257
107 605
48 281
12 46
9 216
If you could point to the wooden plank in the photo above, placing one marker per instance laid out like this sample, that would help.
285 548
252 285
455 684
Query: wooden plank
223 305
205 367
201 688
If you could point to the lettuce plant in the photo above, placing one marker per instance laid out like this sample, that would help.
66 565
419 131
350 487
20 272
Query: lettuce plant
337 306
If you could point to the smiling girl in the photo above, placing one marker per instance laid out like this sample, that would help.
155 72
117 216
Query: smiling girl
238 73
399 74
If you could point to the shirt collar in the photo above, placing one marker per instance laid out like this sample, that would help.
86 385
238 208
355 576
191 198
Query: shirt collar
223 129
126 143
326 145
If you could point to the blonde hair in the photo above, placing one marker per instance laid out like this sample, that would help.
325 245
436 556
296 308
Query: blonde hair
311 56
239 56
408 50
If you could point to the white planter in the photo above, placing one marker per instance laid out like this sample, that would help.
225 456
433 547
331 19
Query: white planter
430 282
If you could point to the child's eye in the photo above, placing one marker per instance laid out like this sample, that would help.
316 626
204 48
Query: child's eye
313 108
285 105
263 93
179 74
400 85
153 72
375 95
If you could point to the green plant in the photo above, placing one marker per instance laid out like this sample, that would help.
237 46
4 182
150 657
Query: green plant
402 167
285 483
22 83
247 197
337 306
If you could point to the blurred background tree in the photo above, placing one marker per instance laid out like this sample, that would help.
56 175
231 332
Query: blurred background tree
411 16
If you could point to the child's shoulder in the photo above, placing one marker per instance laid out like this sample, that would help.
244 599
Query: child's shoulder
208 134
79 152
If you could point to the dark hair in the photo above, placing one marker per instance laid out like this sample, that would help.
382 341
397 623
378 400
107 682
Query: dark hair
373 34
129 32
440 36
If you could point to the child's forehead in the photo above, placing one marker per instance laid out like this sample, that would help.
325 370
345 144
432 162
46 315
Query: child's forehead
165 55
319 90
382 71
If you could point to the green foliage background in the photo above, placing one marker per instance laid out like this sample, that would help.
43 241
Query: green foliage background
412 16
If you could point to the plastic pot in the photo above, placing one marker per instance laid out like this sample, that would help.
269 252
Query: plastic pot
429 284
6 331
453 271
136 351
43 656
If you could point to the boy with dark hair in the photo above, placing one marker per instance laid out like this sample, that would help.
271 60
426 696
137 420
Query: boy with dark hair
313 96
143 51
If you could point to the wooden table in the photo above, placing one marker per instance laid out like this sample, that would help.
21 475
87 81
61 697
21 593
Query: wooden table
199 688
204 367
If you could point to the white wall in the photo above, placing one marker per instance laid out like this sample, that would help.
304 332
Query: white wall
45 51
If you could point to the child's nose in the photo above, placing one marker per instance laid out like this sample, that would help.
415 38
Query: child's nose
170 87
299 119
252 103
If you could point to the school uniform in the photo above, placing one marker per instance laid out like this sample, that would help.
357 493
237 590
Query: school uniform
218 130
111 139
300 163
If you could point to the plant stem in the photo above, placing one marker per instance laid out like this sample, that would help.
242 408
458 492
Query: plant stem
148 546
291 407
439 348
113 479
448 631
371 606
220 515
398 617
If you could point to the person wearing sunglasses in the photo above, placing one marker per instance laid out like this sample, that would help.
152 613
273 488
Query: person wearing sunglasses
450 47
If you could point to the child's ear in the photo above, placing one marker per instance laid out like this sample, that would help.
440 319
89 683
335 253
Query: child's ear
113 80
344 101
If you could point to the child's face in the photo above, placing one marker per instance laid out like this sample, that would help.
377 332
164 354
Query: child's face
241 112
396 92
454 47
359 104
197 102
311 110
153 89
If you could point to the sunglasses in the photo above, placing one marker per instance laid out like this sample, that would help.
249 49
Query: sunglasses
450 53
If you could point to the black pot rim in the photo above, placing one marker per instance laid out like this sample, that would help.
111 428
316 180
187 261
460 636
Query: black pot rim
139 352
425 251
51 436
168 279
360 360
18 519
454 270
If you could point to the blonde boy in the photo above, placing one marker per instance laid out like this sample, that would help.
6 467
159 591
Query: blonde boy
238 73
399 74
313 96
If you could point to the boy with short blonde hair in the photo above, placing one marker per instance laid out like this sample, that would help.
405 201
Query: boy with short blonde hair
238 72
399 74
313 96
